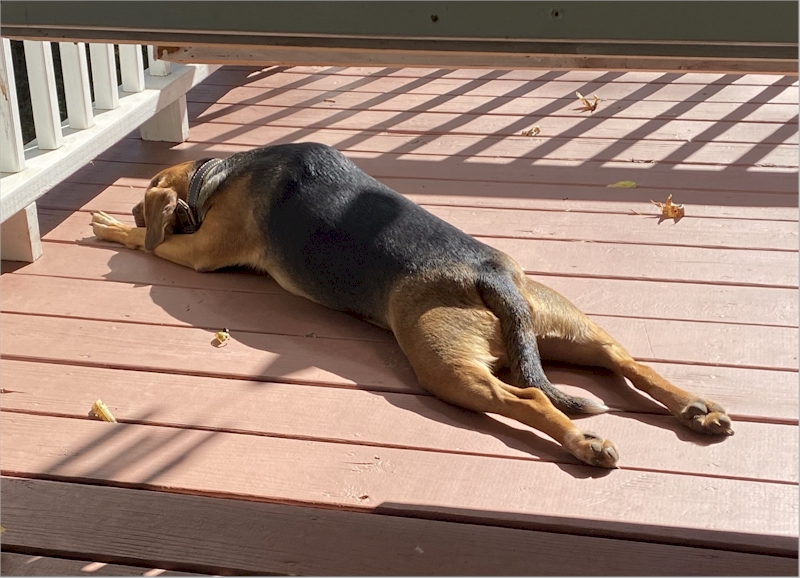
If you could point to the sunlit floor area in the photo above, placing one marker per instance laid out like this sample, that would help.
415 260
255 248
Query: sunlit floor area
306 446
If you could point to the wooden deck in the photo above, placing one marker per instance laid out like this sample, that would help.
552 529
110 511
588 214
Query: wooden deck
306 447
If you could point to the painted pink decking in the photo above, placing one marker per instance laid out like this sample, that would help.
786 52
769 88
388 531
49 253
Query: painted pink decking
305 445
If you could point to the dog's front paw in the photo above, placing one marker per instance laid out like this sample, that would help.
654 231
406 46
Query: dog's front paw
706 417
593 449
108 228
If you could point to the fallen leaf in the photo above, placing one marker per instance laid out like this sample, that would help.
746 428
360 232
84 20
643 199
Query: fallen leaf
328 100
222 337
101 411
533 131
587 106
2 529
669 210
622 185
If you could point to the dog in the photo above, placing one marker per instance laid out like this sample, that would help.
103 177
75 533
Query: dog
459 309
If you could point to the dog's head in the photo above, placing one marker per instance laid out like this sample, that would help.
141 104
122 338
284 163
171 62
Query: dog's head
156 211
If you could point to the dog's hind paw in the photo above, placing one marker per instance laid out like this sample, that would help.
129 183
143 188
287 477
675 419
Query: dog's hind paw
706 417
593 450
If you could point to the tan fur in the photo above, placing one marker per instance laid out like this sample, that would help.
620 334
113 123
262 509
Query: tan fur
451 338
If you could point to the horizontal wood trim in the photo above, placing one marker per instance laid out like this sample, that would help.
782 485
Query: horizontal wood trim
261 538
474 55
527 75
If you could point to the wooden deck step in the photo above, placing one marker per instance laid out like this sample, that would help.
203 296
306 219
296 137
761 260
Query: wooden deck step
274 538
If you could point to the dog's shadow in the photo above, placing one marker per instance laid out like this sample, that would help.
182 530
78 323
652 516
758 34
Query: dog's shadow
306 342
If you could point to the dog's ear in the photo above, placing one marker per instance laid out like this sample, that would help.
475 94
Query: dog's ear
159 210
138 214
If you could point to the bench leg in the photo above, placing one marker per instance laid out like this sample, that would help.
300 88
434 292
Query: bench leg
19 236
170 124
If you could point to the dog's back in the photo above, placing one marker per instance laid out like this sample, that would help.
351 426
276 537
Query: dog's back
343 237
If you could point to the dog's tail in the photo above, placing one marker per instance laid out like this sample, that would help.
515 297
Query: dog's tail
505 299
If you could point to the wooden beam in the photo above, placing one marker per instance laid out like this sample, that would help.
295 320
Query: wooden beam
214 534
251 55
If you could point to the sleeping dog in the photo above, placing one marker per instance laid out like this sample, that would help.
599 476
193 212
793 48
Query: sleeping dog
460 310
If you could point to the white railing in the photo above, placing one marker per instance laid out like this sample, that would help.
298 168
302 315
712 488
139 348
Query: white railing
151 98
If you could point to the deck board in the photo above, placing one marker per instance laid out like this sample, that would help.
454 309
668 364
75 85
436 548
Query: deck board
361 417
308 436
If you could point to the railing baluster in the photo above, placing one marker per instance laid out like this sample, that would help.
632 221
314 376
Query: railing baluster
132 67
44 99
12 153
104 76
76 84
157 67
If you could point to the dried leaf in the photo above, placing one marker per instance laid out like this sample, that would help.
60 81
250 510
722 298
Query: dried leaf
222 337
587 106
622 185
533 131
101 411
2 529
669 210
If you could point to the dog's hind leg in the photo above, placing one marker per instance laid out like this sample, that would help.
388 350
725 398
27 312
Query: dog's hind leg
452 350
567 335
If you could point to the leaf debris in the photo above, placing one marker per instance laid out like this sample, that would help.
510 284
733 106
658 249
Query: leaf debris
221 337
622 185
101 410
533 131
587 106
669 210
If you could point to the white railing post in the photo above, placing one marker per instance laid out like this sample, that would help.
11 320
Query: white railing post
12 153
156 67
44 99
19 236
157 105
171 124
104 76
131 66
75 71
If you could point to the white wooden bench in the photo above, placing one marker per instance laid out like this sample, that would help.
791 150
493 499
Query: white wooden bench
149 97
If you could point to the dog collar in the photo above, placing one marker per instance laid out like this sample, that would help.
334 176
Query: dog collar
190 213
